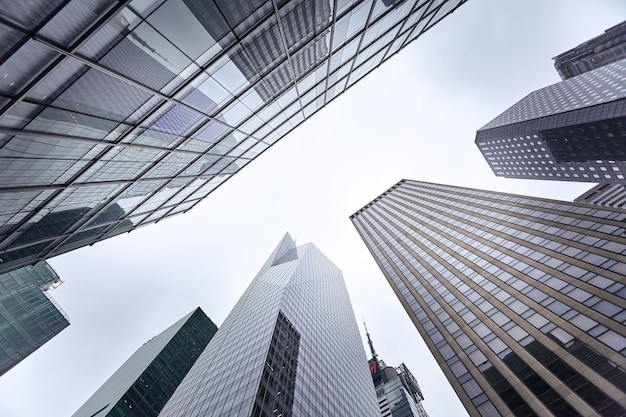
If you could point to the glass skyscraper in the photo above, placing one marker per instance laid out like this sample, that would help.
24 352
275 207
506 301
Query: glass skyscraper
117 114
290 347
521 300
144 383
574 130
399 394
29 316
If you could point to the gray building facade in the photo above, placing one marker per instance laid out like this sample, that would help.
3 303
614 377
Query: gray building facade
290 347
144 383
112 117
594 53
521 300
29 316
574 130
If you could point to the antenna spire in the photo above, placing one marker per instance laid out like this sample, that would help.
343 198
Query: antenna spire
369 342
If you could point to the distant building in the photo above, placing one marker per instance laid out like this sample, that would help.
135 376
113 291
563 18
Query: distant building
398 392
521 300
290 347
594 53
608 195
113 118
144 383
29 317
574 130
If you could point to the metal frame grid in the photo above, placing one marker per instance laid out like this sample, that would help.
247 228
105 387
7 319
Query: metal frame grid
380 31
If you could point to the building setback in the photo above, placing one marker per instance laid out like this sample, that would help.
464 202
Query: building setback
574 130
594 53
112 117
29 316
607 195
144 383
399 394
520 299
290 347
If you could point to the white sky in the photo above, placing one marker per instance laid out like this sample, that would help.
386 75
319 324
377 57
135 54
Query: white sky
415 117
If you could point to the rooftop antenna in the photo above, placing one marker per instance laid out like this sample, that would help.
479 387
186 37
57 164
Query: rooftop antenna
369 342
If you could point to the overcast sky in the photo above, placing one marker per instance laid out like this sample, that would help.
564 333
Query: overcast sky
415 117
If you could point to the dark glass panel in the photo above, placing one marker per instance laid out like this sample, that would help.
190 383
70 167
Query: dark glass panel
177 120
148 394
74 19
147 57
33 161
23 65
67 122
538 386
507 393
98 94
277 385
57 81
574 380
187 40
304 19
8 38
29 13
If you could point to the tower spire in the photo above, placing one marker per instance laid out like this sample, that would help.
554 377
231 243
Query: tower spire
369 342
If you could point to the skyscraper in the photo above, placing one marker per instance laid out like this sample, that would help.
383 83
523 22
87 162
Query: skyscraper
113 118
145 382
594 53
574 130
521 300
29 316
398 392
289 347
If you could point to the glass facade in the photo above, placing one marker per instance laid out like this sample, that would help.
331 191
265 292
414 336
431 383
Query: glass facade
144 383
29 317
574 130
521 300
278 380
293 323
113 117
398 393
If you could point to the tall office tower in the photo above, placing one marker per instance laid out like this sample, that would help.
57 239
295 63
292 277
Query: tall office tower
112 117
145 382
290 347
574 130
521 300
596 52
398 392
29 316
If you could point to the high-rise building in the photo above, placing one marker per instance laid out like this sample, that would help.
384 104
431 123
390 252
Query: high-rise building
399 394
608 195
290 347
594 53
29 316
521 300
574 130
112 117
144 383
